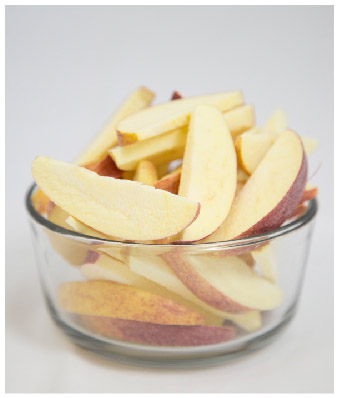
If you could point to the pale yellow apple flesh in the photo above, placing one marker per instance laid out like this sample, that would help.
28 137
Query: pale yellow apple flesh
107 138
226 283
310 144
240 119
146 173
276 124
106 298
156 269
126 209
266 260
40 201
209 171
160 149
162 118
251 148
271 194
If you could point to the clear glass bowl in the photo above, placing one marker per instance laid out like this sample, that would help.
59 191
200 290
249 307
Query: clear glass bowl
171 305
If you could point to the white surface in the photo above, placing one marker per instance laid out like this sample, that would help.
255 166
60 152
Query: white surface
66 70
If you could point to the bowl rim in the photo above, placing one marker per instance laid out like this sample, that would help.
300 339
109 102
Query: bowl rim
295 224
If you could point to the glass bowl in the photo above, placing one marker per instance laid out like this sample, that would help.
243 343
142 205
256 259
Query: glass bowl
171 305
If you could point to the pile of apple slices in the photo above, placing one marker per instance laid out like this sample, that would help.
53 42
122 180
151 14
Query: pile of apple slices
191 170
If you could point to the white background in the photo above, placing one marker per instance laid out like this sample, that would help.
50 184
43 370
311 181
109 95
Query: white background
67 68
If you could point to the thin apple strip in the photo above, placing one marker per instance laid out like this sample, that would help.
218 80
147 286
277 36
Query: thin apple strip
107 138
171 115
209 171
106 298
240 119
146 173
126 209
160 149
309 193
271 194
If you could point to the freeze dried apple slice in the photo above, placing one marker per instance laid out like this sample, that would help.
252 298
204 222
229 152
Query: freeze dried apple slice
276 124
310 144
106 298
107 138
160 149
209 171
126 209
226 283
240 119
146 173
155 334
40 201
251 147
271 194
266 261
155 268
161 118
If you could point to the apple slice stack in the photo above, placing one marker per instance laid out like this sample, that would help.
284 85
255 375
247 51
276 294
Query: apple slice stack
191 170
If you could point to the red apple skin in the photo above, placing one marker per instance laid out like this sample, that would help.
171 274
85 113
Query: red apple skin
309 194
155 334
91 257
198 285
105 167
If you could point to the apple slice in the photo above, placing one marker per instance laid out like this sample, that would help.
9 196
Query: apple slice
225 283
106 298
146 173
251 147
107 138
126 209
160 149
103 267
209 171
276 124
105 167
271 194
240 119
161 118
266 260
310 144
170 182
157 270
155 334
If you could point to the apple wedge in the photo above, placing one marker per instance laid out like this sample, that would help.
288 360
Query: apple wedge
310 144
126 209
160 149
170 182
105 167
107 138
251 147
162 118
146 173
155 334
276 124
225 283
271 194
103 267
240 119
106 298
157 270
266 260
209 171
